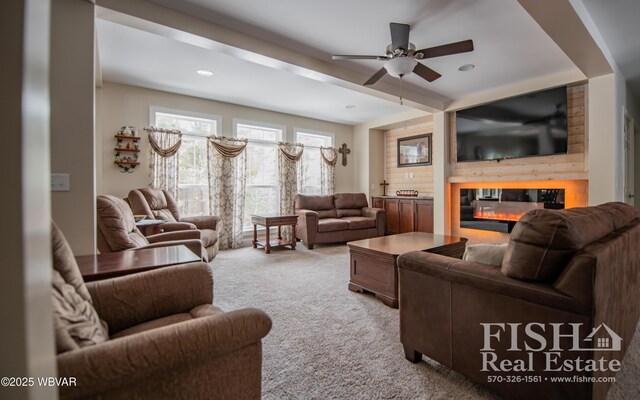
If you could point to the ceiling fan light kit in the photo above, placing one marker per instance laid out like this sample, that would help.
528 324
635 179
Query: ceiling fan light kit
400 66
402 57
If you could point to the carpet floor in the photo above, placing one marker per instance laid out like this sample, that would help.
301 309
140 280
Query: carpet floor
330 343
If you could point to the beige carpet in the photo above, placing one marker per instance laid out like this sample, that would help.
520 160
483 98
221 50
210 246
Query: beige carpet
330 343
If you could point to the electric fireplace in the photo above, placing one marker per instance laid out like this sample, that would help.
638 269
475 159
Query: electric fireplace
498 210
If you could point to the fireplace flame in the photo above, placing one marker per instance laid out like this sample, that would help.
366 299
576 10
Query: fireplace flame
498 216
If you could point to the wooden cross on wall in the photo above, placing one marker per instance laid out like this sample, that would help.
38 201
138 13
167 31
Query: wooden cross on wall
384 185
344 151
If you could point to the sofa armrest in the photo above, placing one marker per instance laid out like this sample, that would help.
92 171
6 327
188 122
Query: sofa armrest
203 221
133 299
131 360
379 214
177 226
307 226
488 278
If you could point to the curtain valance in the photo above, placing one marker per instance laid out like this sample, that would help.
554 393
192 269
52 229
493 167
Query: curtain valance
291 151
169 151
329 155
228 147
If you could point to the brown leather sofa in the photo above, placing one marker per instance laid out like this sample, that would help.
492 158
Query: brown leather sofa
117 230
577 266
166 340
337 218
159 204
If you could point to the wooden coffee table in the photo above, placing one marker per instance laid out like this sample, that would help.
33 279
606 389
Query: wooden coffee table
109 265
373 261
269 220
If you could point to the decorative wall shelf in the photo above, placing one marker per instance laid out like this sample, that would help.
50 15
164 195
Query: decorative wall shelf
127 149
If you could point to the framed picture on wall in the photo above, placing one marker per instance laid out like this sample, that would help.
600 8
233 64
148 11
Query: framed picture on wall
414 151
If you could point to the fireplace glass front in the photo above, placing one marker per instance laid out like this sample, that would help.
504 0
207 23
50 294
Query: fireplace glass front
498 210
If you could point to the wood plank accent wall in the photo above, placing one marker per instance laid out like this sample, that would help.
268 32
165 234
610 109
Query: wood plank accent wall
422 180
576 193
562 166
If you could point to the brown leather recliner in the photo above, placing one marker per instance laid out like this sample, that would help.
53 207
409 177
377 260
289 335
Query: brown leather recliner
341 217
165 337
159 204
579 266
117 230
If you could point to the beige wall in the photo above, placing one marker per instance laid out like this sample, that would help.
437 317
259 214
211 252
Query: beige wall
369 146
72 120
404 178
26 338
119 105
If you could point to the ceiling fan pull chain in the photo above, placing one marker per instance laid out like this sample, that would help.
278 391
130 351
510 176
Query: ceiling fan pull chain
401 89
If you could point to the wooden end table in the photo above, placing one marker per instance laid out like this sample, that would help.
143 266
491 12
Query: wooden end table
269 220
373 261
109 265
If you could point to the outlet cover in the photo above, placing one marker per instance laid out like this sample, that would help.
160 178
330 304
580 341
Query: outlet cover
60 182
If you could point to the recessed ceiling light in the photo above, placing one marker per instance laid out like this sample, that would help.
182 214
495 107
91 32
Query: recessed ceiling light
466 67
204 72
350 106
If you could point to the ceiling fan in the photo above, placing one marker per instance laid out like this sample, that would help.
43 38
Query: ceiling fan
402 57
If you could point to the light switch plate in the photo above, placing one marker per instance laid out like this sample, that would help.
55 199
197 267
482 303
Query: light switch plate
60 182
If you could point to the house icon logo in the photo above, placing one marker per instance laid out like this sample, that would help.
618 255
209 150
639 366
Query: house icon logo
603 338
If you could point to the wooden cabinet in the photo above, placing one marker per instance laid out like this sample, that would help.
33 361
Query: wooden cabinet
392 225
424 216
406 215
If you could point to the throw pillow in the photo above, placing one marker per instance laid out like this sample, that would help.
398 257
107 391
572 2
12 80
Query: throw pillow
76 322
485 253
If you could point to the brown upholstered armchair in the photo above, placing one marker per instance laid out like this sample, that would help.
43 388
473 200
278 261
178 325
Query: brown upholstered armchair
117 230
165 340
159 204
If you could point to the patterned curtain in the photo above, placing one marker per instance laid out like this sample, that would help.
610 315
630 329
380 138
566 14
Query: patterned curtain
289 171
227 165
328 158
163 159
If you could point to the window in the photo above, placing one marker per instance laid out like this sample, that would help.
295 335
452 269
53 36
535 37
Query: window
193 185
262 193
311 165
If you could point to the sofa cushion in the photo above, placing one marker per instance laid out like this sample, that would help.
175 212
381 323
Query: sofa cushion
485 253
350 200
76 322
543 241
332 225
349 212
314 202
360 222
327 213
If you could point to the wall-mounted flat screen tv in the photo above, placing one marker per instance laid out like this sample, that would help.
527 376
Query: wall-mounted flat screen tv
534 124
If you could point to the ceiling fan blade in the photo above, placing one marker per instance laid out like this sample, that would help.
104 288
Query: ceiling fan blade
382 72
447 49
426 73
354 57
399 36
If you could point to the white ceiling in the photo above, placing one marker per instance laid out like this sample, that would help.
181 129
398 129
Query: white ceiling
509 45
618 23
509 48
134 57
